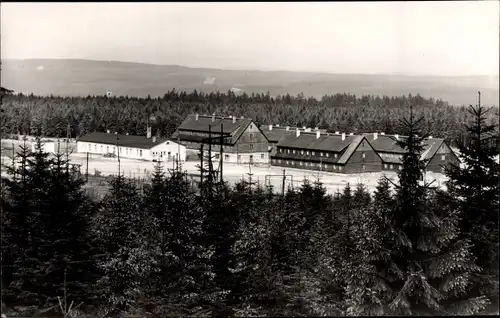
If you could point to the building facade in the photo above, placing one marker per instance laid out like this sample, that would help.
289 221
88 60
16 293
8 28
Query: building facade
242 140
132 147
326 152
436 152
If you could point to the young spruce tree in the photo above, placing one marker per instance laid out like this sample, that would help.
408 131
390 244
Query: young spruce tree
474 190
427 265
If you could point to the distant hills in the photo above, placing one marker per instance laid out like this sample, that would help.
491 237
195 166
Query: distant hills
69 77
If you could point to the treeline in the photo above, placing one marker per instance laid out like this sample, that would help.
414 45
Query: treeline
51 116
408 249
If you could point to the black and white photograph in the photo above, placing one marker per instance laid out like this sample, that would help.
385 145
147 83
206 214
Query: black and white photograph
249 159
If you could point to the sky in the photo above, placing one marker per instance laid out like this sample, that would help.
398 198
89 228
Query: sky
414 38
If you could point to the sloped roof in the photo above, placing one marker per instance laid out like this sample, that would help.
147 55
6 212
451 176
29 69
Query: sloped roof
324 142
279 133
236 129
350 150
387 143
123 140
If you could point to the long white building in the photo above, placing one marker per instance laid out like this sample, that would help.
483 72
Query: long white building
132 147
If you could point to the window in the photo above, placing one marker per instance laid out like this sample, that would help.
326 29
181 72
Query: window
335 155
251 158
113 149
334 167
293 151
327 154
251 126
340 168
90 147
140 153
251 146
95 147
251 136
443 157
319 165
385 166
364 167
400 167
279 161
363 155
216 156
107 148
321 154
301 163
239 158
101 148
273 160
312 152
287 162
307 152
226 157
262 156
168 142
288 151
302 152
391 166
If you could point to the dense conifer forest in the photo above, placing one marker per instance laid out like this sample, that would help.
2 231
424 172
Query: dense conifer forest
408 249
23 114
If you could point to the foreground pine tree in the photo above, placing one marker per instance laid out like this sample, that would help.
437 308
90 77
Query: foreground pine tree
474 191
125 260
427 265
53 221
176 236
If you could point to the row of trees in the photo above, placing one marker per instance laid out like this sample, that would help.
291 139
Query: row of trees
340 112
177 251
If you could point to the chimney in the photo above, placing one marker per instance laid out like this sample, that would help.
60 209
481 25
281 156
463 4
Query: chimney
154 139
108 131
287 128
234 119
213 117
197 116
375 136
297 132
148 133
337 133
318 133
397 137
270 127
343 136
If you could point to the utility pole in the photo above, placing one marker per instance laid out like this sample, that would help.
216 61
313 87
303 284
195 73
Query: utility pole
201 166
283 185
68 136
117 152
221 152
87 169
210 155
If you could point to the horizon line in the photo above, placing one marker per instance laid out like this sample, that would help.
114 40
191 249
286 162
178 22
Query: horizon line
254 70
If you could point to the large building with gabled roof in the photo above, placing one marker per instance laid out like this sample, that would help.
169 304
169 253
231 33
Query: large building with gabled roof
243 141
437 153
327 152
